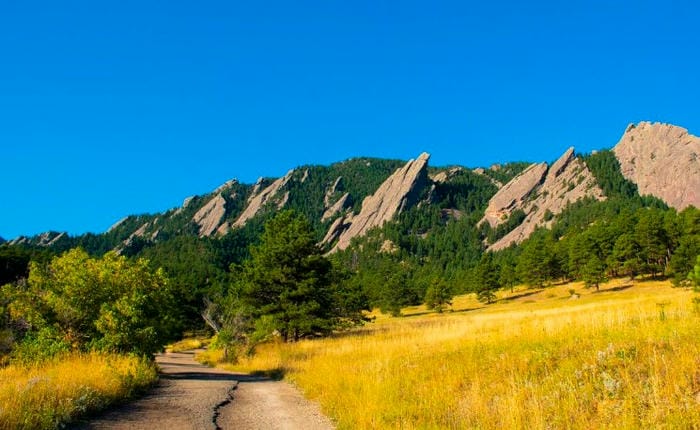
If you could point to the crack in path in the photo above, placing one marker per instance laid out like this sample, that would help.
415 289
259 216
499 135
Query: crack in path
190 395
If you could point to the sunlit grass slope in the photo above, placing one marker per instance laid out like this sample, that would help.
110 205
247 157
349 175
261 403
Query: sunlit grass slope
627 357
47 395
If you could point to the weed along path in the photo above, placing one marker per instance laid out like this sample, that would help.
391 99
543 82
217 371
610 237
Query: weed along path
190 395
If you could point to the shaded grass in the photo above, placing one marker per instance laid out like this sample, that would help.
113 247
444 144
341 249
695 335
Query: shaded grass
53 393
605 360
188 344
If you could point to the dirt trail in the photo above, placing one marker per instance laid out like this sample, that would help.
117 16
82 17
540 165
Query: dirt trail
193 396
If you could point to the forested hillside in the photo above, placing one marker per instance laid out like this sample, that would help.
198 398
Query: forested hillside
579 218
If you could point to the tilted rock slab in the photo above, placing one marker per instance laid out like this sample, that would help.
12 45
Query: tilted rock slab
566 181
337 207
393 196
512 196
209 216
332 190
258 200
663 160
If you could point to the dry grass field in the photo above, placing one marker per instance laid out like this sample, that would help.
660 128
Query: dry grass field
626 357
50 394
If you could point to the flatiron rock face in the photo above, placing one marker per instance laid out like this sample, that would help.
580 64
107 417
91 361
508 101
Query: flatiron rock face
259 198
512 195
541 192
209 217
663 160
393 196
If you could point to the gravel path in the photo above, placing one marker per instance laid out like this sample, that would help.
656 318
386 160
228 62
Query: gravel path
190 395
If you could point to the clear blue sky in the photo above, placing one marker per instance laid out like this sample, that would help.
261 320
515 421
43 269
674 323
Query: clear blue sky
116 108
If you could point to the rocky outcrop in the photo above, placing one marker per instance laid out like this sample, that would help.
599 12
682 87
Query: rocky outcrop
336 208
210 216
117 224
258 199
331 191
396 193
223 187
446 175
48 238
663 160
337 228
187 201
388 247
481 171
541 192
513 195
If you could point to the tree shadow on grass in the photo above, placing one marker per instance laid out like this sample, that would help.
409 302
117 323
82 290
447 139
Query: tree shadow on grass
618 288
521 295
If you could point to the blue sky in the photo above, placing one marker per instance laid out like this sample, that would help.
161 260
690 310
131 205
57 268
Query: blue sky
115 108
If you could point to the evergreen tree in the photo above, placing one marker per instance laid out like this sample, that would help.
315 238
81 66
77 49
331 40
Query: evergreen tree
487 278
624 259
694 275
593 272
287 285
507 276
536 263
438 296
653 241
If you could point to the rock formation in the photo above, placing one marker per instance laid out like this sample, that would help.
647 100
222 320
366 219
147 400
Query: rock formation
117 224
446 175
336 208
44 239
663 160
512 196
541 193
221 187
394 195
337 228
337 186
258 199
209 216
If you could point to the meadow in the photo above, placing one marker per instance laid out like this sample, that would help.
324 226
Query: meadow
624 357
50 394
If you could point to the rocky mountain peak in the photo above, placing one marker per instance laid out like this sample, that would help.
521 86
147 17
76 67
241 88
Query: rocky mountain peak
663 160
561 164
393 196
541 191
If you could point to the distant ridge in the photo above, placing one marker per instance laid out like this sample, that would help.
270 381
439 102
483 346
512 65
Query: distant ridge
346 200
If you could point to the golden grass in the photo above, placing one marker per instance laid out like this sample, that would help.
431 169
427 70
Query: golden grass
187 344
47 395
536 359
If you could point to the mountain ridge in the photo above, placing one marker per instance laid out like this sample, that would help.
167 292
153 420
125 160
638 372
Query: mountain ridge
334 197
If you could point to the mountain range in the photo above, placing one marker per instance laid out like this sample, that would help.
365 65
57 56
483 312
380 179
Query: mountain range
346 200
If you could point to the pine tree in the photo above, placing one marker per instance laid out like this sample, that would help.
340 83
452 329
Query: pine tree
487 279
287 285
